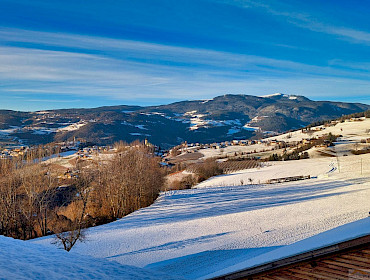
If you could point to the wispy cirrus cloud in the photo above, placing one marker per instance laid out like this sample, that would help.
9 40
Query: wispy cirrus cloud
44 63
304 20
54 50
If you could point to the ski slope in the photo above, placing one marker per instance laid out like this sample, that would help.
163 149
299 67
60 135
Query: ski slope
195 233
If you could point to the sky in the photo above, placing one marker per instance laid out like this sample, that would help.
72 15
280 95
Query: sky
74 53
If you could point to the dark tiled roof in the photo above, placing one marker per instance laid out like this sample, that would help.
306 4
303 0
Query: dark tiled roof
346 260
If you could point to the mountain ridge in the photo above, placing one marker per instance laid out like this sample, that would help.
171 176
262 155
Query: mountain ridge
221 118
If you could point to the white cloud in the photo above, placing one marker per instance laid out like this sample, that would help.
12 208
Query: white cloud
133 70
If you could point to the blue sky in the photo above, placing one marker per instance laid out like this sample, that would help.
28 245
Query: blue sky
72 53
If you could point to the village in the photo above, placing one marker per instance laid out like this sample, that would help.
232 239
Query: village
308 142
262 149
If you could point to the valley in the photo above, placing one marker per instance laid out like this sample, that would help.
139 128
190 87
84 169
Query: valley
223 118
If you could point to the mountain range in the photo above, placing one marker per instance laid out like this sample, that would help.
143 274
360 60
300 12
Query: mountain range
222 118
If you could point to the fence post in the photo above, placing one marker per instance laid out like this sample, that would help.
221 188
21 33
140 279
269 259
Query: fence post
338 164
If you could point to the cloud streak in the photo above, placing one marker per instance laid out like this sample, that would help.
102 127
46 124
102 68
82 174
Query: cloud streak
44 63
304 20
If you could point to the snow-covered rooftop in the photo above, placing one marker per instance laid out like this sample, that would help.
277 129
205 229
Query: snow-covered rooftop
337 235
25 260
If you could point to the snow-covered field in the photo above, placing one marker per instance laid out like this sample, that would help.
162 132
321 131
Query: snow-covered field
351 130
24 260
321 167
352 133
231 150
198 232
64 159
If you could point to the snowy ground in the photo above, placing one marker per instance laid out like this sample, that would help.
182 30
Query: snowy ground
64 159
24 260
231 150
351 130
275 169
194 233
352 133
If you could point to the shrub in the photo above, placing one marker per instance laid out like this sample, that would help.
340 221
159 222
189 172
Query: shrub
185 183
208 169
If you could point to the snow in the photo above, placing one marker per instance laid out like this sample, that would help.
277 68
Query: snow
190 113
62 159
233 130
195 233
24 260
126 123
236 221
232 122
249 125
291 97
42 130
9 130
141 126
250 128
72 127
139 134
231 150
196 120
337 235
272 95
350 130
274 169
56 157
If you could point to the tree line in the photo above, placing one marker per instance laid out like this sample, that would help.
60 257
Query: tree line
33 202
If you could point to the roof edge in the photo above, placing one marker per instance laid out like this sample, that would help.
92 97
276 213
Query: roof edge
298 258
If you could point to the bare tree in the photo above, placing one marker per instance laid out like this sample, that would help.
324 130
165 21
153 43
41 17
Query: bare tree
8 206
76 232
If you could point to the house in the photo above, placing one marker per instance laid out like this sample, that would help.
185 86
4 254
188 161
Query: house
235 142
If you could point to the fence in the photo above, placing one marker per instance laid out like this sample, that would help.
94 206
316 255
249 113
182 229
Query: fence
354 164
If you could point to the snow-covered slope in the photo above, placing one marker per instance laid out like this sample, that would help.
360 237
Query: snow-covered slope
193 233
24 260
350 130
321 167
231 150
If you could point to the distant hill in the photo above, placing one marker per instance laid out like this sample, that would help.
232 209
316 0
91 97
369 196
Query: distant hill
221 118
